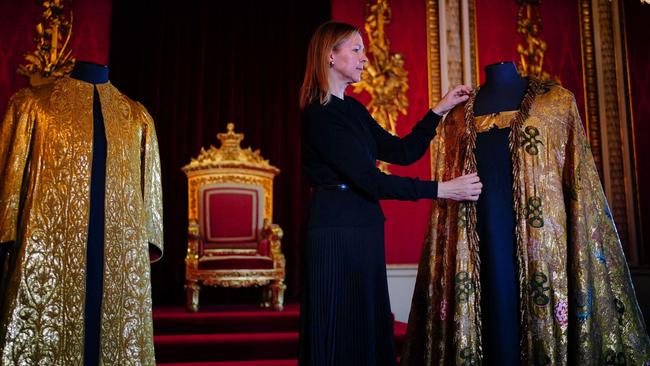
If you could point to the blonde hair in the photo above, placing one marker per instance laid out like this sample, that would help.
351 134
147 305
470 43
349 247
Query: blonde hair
327 37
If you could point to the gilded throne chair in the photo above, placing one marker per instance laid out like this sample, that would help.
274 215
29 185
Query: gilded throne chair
232 241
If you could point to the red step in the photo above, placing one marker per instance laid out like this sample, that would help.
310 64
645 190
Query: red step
225 319
237 363
231 336
224 347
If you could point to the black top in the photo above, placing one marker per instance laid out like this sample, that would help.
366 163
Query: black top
341 145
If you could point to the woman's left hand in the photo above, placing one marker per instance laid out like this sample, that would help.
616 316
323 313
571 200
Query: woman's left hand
458 94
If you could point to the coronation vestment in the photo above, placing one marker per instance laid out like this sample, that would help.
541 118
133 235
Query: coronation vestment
46 154
576 301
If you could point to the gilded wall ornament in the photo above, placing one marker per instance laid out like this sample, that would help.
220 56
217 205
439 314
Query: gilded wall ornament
531 53
385 78
52 58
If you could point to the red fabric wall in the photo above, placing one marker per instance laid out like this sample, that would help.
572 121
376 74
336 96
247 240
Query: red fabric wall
497 39
18 19
406 222
637 18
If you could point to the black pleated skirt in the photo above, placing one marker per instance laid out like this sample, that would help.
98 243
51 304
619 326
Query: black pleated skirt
345 310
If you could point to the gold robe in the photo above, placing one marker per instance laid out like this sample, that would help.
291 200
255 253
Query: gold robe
577 303
45 167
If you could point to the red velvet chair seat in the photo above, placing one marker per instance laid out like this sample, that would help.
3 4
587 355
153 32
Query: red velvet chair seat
236 262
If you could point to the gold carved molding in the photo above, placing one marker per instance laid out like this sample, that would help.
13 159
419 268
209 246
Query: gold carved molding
230 154
452 55
608 119
589 80
240 176
451 45
52 59
433 51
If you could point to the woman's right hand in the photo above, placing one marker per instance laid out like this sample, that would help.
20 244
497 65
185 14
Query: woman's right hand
464 188
456 95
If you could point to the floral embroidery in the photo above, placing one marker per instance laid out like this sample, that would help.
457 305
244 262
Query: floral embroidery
562 313
443 310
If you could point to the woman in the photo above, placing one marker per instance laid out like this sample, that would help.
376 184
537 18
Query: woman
346 318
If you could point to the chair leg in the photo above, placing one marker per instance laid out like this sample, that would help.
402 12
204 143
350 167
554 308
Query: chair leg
192 290
277 292
267 296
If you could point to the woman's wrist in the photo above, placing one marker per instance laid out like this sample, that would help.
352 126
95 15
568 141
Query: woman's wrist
437 111
441 189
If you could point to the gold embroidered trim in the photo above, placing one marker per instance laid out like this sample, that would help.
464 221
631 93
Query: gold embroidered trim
498 120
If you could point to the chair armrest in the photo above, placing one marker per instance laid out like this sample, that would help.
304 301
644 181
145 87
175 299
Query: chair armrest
273 234
194 246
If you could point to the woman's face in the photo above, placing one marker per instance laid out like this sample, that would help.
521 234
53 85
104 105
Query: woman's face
348 60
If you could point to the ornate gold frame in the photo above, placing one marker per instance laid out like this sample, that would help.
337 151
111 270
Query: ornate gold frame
452 53
232 164
608 118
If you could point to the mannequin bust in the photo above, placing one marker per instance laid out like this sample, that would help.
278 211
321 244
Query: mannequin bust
95 74
503 89
90 72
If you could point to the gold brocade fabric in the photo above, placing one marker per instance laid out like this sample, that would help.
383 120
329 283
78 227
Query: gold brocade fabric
45 167
577 303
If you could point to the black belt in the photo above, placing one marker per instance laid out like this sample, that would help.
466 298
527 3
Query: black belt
330 187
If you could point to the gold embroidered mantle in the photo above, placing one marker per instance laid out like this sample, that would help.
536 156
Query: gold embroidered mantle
45 166
577 303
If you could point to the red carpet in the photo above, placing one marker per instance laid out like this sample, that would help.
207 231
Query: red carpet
230 336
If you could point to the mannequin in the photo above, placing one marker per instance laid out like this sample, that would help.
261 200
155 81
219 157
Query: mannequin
82 200
503 89
94 74
534 273
502 92
90 72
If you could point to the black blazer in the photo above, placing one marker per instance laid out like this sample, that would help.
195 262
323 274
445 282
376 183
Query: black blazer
341 144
